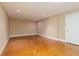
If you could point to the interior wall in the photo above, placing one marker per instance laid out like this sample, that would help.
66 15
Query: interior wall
4 29
52 27
61 27
22 27
48 27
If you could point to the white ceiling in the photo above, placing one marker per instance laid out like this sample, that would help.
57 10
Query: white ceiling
37 10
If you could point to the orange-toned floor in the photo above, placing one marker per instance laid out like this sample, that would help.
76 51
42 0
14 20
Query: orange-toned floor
38 46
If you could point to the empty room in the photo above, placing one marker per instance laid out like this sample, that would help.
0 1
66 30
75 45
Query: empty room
39 28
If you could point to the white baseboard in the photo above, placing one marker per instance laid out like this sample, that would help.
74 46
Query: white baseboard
48 37
63 40
22 35
1 50
52 38
38 34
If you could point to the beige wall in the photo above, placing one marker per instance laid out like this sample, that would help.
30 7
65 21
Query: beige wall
48 27
52 27
22 27
61 25
4 29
